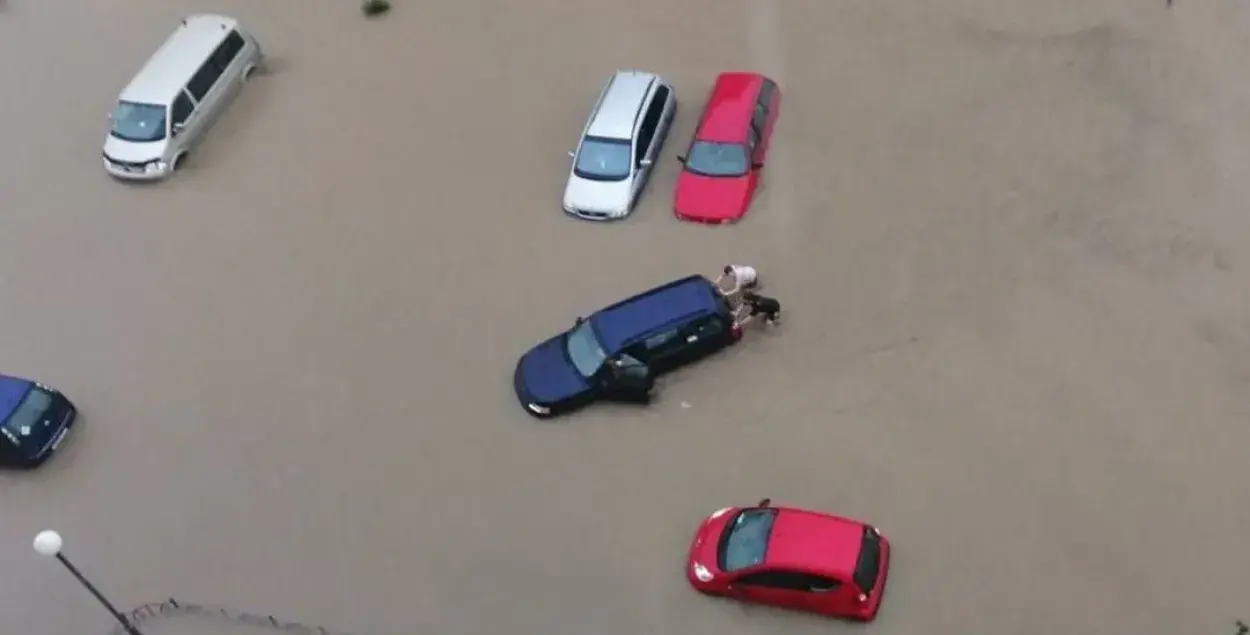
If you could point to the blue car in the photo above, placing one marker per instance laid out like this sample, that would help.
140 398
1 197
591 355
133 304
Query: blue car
617 352
34 419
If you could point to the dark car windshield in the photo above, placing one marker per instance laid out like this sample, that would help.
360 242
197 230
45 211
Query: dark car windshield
745 542
711 158
601 159
21 425
584 349
138 122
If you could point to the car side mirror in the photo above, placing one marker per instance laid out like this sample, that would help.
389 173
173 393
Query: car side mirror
646 163
572 154
765 502
757 165
179 127
681 158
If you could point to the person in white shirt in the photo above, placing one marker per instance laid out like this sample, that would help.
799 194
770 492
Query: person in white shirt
738 277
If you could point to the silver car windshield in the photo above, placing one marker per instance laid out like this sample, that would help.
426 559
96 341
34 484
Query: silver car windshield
711 158
138 122
584 349
602 159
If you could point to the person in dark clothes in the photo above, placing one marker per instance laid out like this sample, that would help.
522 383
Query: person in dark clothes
757 304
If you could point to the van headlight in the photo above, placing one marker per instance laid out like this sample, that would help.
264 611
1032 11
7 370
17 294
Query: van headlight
155 167
701 573
537 409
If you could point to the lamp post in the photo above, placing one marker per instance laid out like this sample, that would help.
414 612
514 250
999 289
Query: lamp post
48 543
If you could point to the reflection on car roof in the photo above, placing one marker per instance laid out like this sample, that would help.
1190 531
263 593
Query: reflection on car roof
628 321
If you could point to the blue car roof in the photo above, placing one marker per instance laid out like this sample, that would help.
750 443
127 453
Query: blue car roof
634 318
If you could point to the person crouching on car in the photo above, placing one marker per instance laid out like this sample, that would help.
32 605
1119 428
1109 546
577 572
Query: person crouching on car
755 305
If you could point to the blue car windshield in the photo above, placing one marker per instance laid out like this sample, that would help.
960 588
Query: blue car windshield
745 541
22 423
138 122
584 349
601 159
711 158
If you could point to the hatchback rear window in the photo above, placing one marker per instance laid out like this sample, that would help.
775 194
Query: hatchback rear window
869 563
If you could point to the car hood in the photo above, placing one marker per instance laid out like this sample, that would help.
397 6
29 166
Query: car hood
133 152
609 197
711 199
12 391
547 375
707 538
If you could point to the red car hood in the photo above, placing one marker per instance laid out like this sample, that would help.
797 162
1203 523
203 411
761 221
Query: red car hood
711 199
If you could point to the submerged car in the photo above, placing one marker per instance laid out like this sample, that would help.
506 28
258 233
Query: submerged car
791 558
34 420
723 164
619 145
617 352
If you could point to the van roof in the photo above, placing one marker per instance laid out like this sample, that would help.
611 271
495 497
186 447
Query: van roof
169 68
642 315
618 110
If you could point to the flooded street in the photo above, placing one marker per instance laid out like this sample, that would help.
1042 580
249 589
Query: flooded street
1011 239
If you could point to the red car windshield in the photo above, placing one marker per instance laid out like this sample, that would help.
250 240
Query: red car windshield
712 158
745 541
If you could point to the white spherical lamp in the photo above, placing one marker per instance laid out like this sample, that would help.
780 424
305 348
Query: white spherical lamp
48 543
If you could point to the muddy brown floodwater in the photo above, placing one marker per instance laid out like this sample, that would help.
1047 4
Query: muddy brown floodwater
1011 237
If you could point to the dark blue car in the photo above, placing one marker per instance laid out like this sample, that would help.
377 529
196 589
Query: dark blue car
617 352
34 419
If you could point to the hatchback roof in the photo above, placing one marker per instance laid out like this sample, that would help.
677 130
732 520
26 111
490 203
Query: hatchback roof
622 100
810 540
625 322
169 68
729 107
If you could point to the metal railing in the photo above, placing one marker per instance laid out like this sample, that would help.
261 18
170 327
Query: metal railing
173 608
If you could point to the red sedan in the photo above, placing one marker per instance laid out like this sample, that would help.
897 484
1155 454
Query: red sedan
791 558
730 146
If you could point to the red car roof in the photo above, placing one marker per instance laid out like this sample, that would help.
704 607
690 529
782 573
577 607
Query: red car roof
730 107
812 541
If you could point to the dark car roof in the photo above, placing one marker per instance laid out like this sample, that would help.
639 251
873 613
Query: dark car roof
642 315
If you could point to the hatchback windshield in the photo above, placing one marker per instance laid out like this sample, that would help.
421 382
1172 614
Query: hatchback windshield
711 158
745 542
584 349
602 159
21 424
138 122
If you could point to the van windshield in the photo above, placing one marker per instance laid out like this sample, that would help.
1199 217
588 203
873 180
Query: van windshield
138 122
601 159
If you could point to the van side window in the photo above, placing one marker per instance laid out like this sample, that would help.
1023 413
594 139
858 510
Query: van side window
203 80
646 132
708 328
181 109
657 341
227 51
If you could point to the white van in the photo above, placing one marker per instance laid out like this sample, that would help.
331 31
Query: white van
177 95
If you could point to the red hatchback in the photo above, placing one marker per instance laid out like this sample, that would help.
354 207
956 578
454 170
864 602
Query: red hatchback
723 163
791 558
